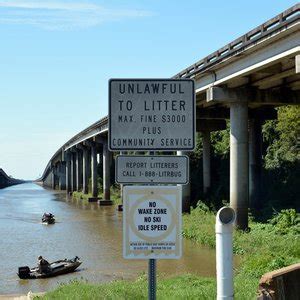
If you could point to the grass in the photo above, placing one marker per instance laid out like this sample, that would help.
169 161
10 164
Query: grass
180 287
114 195
81 196
268 246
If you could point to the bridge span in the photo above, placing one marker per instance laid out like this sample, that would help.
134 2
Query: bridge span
243 82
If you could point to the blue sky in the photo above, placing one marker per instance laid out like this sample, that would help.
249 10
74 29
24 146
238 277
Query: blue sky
56 58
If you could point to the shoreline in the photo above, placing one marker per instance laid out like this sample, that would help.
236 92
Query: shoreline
30 295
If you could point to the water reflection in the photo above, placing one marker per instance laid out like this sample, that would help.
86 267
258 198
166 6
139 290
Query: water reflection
93 233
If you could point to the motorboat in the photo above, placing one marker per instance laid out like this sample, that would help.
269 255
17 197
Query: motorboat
55 268
48 218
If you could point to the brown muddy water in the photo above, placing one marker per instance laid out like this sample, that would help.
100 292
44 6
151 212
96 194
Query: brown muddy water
91 232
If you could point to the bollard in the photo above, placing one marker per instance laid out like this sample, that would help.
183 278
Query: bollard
224 226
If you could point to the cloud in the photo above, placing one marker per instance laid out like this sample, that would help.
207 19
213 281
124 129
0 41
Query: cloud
63 15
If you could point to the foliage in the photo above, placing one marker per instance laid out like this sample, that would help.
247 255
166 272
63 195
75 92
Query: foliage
219 170
115 194
220 141
196 171
282 190
99 184
268 246
281 160
81 196
199 225
286 221
281 136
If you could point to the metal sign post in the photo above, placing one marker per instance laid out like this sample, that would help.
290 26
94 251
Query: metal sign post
152 270
152 279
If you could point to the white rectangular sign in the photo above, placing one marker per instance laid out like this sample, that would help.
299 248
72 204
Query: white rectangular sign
163 169
151 114
152 222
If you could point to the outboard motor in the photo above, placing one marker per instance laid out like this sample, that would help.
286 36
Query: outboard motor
24 272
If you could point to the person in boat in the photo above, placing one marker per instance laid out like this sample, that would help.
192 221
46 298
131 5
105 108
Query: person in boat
48 215
43 264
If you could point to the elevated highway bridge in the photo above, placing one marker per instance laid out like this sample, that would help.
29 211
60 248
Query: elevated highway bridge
243 82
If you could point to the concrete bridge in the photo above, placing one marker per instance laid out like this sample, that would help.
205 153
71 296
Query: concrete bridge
6 181
243 82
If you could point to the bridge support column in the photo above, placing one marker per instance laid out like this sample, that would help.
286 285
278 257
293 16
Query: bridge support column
186 190
206 125
206 161
53 177
78 170
62 176
239 175
68 172
85 171
106 172
89 169
73 172
255 163
94 171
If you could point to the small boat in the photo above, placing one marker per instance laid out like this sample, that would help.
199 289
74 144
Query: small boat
56 268
48 218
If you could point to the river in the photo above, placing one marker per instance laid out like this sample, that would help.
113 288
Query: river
91 232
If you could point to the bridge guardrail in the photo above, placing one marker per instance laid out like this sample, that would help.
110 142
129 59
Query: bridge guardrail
281 21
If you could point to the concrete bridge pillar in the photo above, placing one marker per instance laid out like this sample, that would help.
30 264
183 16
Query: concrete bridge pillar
106 172
78 170
206 126
85 168
206 161
73 172
186 190
68 172
255 163
94 171
53 177
62 175
89 170
239 162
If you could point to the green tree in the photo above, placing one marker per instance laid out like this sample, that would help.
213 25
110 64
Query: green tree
282 137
